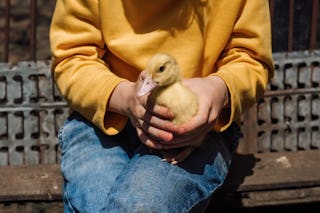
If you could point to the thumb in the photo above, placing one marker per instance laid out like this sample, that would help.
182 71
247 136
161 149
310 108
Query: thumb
147 85
141 77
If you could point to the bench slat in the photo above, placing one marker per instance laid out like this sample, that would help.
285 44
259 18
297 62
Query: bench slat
276 178
254 180
32 182
276 170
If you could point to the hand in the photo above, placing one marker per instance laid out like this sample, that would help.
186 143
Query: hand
213 96
151 122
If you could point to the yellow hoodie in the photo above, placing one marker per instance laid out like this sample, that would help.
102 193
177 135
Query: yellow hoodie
97 44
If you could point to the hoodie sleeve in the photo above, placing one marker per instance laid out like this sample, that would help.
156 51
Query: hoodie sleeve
246 63
82 77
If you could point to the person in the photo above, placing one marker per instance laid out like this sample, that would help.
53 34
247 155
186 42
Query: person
99 51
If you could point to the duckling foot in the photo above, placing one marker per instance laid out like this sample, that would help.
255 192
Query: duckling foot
177 158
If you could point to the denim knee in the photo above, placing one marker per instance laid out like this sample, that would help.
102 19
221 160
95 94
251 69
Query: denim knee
149 185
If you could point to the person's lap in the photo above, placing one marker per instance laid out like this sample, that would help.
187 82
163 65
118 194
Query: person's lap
118 174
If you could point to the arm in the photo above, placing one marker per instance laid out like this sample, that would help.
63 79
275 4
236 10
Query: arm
246 64
240 78
82 77
86 81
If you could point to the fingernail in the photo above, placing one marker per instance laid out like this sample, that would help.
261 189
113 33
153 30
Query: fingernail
166 137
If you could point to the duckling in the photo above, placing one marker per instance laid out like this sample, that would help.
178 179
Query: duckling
164 81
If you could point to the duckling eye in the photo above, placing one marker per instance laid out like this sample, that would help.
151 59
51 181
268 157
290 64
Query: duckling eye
162 68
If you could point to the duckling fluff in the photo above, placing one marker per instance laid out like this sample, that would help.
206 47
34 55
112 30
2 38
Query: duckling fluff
164 81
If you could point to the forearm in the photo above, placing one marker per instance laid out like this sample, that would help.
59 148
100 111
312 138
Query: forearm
246 79
83 78
246 63
216 80
120 97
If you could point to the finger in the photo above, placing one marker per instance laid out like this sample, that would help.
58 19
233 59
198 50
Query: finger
157 127
158 110
189 139
147 140
161 135
142 76
185 142
156 132
141 86
147 86
197 122
194 142
158 122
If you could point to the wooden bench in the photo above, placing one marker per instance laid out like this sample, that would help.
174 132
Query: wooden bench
254 180
276 163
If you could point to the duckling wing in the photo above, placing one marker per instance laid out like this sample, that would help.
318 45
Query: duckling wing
181 101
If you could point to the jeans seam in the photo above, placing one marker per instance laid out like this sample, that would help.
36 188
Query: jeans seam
66 198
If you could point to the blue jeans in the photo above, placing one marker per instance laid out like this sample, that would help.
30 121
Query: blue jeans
118 174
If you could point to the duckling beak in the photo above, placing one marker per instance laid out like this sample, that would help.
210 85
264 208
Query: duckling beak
147 86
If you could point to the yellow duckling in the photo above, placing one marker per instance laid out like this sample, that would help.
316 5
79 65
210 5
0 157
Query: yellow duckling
164 82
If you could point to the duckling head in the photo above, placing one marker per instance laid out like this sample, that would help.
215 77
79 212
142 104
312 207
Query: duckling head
162 70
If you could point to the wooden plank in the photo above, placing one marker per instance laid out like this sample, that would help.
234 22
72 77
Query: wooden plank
33 182
277 170
226 200
254 180
283 170
280 197
265 179
32 207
